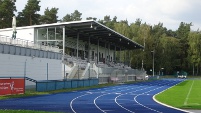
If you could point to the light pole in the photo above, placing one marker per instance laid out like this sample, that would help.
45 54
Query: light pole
162 71
153 62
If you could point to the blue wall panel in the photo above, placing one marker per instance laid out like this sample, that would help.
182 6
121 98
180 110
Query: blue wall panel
28 52
74 83
6 49
86 83
41 86
59 85
55 85
67 84
12 50
80 83
17 50
51 86
23 51
33 52
1 48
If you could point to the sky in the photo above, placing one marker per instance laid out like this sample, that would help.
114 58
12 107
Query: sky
169 12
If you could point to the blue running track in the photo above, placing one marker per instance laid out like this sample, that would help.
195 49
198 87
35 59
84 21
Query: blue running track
129 98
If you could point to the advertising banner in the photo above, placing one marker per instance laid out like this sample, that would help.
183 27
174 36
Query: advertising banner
12 86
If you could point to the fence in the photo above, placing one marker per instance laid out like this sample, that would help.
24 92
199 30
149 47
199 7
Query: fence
26 43
66 84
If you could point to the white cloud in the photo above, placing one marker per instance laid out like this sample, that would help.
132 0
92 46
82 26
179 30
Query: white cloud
169 12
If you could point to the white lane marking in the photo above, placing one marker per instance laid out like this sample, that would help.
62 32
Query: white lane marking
97 105
144 105
135 100
147 92
121 105
127 88
130 92
187 97
71 103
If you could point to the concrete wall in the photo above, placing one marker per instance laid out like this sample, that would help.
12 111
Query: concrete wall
35 68
16 61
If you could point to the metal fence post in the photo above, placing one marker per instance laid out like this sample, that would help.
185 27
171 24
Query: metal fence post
25 63
64 72
47 78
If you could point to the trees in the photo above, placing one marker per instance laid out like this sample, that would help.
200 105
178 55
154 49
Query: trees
50 16
194 51
75 16
29 15
7 9
182 34
91 18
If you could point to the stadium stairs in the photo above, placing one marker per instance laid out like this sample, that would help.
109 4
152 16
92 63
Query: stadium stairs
30 79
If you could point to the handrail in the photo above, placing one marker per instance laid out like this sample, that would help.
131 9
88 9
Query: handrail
26 43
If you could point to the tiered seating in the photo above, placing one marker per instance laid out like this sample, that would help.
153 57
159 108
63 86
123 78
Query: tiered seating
82 63
101 65
111 64
119 65
71 59
127 67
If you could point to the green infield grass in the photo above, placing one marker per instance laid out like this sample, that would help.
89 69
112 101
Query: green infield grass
186 95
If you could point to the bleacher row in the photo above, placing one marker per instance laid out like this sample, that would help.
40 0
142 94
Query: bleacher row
80 62
83 63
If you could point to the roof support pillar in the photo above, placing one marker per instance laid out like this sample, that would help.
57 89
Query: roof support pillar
129 55
120 55
47 35
98 52
36 41
124 57
108 52
115 49
78 35
77 53
89 49
105 53
64 41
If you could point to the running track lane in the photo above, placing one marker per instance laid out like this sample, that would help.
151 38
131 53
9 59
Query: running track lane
129 98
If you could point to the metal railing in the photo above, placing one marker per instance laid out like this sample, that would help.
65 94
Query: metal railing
26 43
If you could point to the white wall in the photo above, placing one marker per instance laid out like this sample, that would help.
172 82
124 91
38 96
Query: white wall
25 34
36 68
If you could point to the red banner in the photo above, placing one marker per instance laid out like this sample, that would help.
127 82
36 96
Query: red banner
12 86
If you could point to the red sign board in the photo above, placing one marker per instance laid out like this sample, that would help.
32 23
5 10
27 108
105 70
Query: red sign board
12 86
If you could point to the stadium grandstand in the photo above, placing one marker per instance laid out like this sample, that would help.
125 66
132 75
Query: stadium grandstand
69 50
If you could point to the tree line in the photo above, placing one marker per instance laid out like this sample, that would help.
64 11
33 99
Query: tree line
173 50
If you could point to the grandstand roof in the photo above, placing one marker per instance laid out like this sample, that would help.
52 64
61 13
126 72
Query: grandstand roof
94 30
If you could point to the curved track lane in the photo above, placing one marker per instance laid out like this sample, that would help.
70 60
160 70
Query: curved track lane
130 98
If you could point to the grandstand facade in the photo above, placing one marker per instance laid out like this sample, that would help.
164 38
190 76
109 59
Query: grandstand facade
69 50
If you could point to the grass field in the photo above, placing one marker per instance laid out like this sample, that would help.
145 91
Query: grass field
186 95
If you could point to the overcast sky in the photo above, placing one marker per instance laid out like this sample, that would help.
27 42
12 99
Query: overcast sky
169 12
